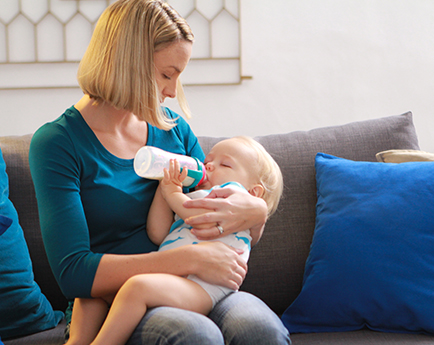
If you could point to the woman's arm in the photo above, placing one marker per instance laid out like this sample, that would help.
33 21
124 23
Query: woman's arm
233 211
213 262
55 174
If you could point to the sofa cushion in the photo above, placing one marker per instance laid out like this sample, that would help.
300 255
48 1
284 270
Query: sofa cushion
280 255
362 337
52 336
23 308
371 261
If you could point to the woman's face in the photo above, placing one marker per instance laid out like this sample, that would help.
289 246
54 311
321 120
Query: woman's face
170 62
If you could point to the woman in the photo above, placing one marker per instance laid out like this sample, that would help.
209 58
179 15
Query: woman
93 207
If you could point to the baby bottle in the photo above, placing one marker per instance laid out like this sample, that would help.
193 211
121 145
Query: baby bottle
150 161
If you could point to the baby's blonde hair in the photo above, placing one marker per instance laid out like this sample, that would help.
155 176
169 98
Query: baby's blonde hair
269 174
118 66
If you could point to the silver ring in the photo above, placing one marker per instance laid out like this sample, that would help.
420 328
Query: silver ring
220 229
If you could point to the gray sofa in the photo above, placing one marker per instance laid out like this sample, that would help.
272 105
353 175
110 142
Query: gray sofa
277 263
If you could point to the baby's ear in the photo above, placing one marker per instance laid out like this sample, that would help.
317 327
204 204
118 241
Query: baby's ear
257 190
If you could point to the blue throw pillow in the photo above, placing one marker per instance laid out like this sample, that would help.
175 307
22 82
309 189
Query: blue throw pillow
371 262
23 307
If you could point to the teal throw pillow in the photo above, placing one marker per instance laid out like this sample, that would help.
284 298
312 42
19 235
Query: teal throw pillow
5 223
23 307
371 262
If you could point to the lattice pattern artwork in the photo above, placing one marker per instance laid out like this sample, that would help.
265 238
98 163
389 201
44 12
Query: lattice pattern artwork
57 32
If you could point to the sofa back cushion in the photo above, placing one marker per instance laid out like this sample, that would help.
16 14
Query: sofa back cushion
277 262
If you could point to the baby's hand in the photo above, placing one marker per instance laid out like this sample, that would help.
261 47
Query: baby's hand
173 178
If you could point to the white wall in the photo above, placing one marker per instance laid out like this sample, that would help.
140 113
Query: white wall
314 63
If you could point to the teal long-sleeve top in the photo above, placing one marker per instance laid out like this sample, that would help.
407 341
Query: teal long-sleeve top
91 202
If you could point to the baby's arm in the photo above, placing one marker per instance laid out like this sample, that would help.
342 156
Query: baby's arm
169 198
160 218
171 190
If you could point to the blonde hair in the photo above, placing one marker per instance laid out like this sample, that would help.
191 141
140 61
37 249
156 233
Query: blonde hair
269 174
118 65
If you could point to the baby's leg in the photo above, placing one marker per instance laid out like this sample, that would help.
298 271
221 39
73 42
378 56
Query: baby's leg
148 291
87 317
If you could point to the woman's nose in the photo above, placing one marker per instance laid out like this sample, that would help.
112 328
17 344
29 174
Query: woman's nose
170 93
170 90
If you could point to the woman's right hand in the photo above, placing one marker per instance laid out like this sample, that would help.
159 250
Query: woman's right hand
220 264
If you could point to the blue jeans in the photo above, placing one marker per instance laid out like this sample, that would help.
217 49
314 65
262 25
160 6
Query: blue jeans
239 319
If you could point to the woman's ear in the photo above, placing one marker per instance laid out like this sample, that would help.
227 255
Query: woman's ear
257 190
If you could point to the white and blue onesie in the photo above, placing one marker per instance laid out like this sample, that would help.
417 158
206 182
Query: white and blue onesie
180 235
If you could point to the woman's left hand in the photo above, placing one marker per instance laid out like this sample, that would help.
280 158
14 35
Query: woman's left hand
233 211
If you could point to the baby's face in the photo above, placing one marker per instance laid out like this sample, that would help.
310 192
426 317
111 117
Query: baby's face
231 160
